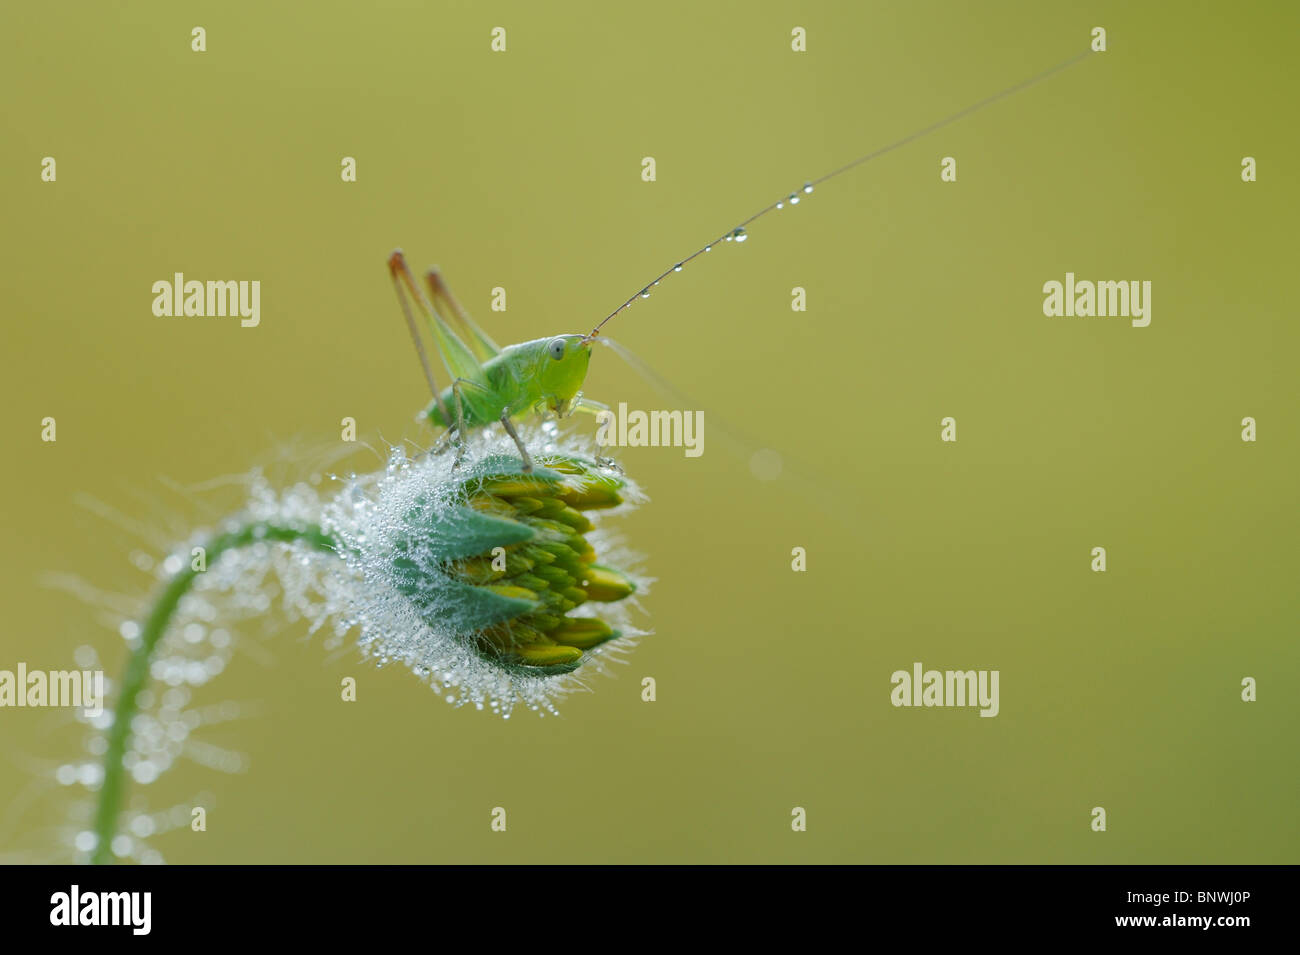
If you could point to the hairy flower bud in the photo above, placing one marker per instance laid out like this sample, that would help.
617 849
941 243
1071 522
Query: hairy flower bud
492 582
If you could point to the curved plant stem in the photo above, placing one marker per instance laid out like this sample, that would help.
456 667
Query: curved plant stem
137 667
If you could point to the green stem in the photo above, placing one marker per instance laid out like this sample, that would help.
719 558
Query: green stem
137 667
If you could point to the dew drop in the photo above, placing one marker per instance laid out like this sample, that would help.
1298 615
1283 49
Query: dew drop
645 293
807 187
794 198
677 267
780 205
740 234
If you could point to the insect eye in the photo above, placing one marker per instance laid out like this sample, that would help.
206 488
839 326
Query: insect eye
556 349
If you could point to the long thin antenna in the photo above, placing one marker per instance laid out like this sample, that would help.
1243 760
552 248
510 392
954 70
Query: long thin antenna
738 232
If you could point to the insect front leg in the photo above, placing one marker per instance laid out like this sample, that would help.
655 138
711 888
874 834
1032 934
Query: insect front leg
457 388
460 421
510 430
589 405
604 416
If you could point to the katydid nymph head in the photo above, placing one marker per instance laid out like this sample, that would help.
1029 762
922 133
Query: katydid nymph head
561 369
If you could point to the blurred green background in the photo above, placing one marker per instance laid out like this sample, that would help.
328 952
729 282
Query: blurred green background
522 169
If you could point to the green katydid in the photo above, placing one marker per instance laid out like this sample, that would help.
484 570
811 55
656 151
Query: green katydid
491 384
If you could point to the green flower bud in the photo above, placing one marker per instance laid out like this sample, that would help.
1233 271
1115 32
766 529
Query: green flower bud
492 582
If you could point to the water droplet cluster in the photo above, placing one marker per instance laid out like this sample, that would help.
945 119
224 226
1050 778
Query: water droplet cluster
738 234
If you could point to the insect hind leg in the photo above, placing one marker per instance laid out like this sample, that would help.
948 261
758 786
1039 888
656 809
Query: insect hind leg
401 275
480 343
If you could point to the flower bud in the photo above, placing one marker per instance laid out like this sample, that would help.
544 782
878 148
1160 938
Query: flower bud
492 582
